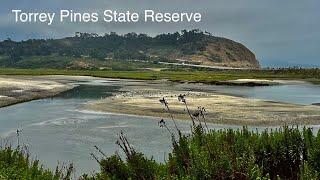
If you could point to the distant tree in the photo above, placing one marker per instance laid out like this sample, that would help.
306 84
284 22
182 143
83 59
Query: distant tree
127 46
98 53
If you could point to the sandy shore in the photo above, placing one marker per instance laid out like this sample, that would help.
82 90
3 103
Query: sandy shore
222 109
18 89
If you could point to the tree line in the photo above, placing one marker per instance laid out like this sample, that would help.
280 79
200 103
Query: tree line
109 45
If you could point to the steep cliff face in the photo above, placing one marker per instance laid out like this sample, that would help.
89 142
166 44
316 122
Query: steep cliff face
224 52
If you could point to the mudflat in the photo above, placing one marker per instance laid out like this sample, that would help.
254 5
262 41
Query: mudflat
144 99
18 89
138 97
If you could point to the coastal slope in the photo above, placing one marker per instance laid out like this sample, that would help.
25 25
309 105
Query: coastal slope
93 51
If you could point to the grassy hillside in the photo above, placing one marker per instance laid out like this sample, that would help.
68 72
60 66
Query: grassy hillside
78 63
84 50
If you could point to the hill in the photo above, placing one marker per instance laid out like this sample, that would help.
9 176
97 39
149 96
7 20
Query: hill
92 51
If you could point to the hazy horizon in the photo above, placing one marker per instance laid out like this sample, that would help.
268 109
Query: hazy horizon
279 33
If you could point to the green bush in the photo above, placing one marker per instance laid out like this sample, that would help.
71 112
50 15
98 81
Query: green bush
16 164
285 153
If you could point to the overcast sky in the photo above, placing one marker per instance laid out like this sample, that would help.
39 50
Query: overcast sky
278 32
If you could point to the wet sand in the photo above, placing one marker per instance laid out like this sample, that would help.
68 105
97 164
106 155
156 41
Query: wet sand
19 89
142 99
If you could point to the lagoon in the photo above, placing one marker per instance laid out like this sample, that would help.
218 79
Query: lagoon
61 129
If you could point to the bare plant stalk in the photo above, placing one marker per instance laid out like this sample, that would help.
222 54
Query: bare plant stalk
174 122
125 146
205 122
165 103
162 124
168 130
193 123
197 115
202 110
100 151
95 157
18 137
183 99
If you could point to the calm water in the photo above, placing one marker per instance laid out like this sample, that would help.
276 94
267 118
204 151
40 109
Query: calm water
303 93
60 129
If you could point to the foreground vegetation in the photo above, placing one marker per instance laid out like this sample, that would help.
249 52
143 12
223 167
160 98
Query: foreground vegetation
191 75
17 164
226 154
285 153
